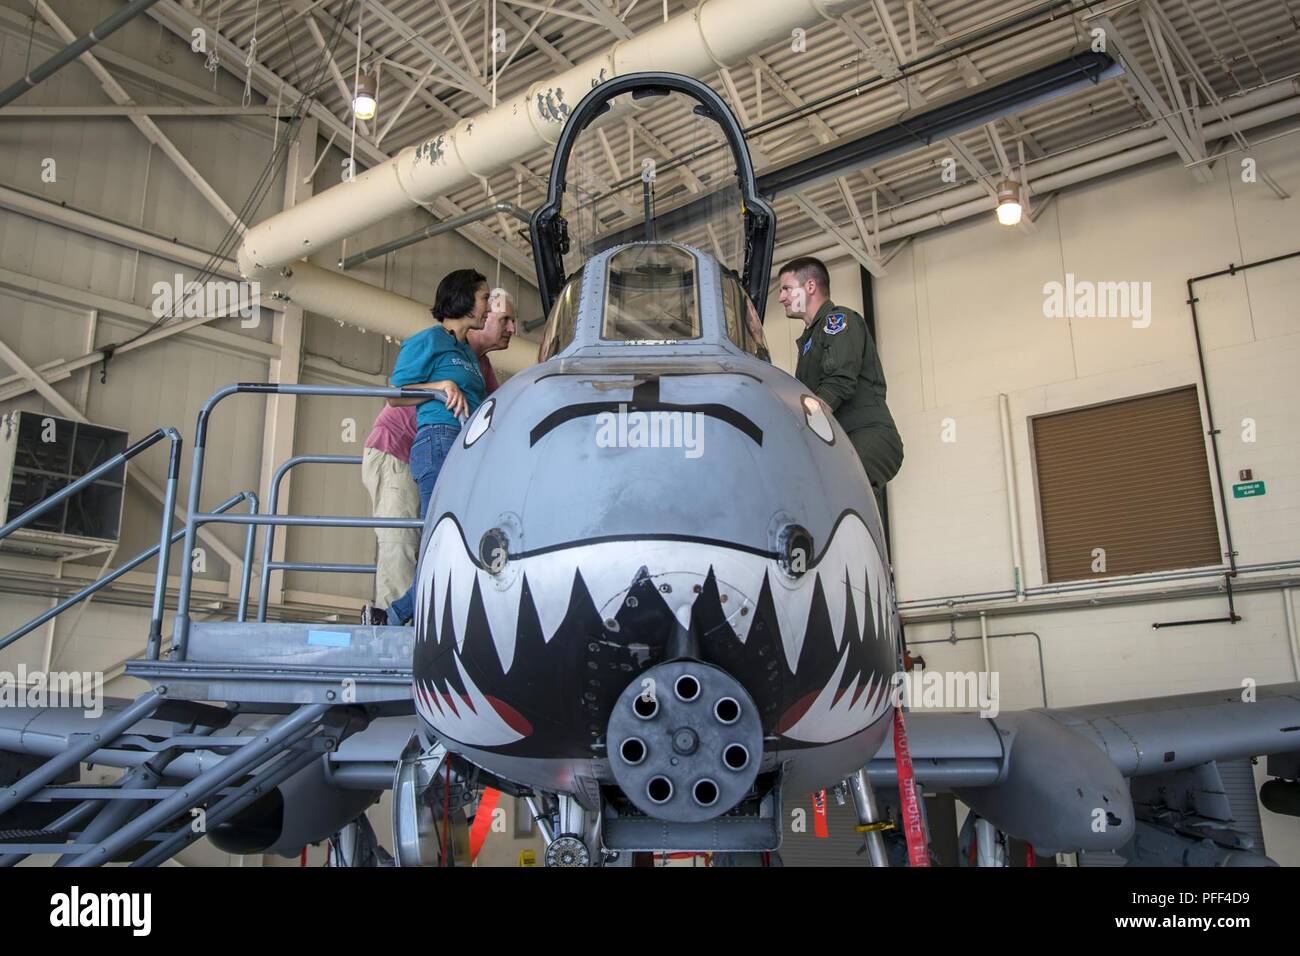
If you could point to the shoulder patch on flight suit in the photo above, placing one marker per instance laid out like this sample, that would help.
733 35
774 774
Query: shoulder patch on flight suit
835 323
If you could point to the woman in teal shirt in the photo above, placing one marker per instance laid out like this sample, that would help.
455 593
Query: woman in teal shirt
440 358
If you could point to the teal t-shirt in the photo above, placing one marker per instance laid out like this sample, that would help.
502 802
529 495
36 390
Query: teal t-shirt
433 355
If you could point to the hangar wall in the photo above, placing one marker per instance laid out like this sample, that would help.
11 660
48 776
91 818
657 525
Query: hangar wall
61 290
961 319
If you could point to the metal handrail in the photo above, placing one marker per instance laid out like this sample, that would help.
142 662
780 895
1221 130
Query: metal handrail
197 518
100 583
45 504
268 542
169 507
245 577
273 507
164 541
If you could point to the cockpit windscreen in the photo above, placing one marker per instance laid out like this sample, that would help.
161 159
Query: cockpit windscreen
651 296
660 156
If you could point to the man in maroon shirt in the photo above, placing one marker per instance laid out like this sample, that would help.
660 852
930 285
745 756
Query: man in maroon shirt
495 335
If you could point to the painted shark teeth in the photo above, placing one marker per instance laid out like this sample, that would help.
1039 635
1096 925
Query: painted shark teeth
793 601
834 716
501 606
850 549
849 566
470 719
550 580
734 573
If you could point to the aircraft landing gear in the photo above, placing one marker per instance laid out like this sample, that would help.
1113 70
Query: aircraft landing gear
357 845
571 832
870 817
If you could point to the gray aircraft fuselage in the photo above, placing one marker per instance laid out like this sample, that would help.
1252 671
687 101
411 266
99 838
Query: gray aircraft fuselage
631 501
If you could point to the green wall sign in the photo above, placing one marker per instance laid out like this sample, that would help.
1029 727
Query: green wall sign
1249 489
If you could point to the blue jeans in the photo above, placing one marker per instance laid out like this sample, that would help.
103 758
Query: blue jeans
428 452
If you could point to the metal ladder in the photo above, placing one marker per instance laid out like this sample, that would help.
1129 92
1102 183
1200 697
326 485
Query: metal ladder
305 686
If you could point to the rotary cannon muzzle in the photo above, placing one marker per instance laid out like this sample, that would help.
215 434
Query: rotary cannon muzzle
685 741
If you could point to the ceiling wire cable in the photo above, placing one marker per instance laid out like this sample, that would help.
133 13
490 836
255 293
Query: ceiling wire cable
284 27
257 194
31 40
213 63
356 84
251 58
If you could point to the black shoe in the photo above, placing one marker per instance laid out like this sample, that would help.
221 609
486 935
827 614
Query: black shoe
372 616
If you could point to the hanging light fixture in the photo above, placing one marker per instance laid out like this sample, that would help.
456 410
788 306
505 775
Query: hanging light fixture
1009 207
364 99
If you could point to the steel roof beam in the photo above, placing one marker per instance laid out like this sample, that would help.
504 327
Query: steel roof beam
1171 123
819 216
607 19
143 123
467 80
180 21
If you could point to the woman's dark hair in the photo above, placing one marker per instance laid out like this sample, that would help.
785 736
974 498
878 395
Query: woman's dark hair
456 291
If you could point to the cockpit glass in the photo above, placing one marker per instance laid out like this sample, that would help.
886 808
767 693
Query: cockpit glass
650 295
563 321
744 327
653 153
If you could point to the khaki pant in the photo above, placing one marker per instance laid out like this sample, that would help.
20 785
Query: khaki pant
393 494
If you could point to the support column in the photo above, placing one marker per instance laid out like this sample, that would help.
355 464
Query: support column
286 368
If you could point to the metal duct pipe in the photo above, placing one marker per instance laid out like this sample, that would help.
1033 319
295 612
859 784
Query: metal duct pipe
1093 170
716 33
1258 108
1013 497
369 307
437 228
74 50
984 641
336 296
519 355
1293 641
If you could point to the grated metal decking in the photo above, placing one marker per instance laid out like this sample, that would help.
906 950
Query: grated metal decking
255 664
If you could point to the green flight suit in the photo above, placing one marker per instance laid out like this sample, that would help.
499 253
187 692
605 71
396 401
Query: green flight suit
839 363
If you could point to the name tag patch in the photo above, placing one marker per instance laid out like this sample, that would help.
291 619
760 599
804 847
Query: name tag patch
806 346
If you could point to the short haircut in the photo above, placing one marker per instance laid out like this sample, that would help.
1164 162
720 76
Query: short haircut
499 298
805 268
456 291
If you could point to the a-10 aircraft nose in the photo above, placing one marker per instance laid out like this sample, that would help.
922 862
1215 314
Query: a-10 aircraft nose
593 521
725 449
654 492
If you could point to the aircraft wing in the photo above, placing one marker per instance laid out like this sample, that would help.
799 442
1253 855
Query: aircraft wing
1056 777
1090 778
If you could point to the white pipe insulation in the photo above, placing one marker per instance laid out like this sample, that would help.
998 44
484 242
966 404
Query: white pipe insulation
717 33
376 310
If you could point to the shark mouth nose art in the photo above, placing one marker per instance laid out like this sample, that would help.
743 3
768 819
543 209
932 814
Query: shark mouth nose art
495 650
